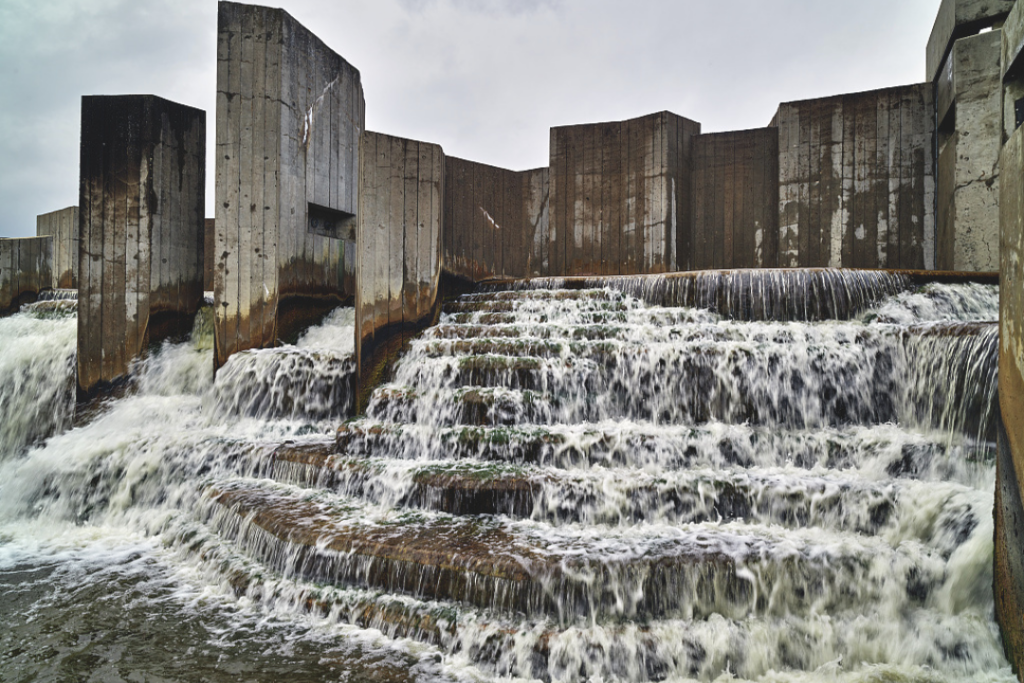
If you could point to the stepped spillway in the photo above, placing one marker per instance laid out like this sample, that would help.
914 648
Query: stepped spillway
569 480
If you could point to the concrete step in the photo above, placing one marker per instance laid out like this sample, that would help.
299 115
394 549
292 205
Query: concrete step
508 644
786 496
879 452
545 295
536 305
648 572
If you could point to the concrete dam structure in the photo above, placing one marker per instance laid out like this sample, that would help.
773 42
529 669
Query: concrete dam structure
676 406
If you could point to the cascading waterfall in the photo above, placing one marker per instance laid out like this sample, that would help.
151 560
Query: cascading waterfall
623 479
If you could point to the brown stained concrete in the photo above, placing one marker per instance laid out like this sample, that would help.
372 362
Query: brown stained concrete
1009 532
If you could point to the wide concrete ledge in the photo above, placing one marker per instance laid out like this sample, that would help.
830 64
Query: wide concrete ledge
141 199
956 19
63 227
398 237
289 115
25 270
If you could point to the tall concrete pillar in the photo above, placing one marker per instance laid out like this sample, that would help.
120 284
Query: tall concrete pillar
856 180
495 221
398 266
1009 511
289 115
141 200
965 68
26 269
620 196
63 227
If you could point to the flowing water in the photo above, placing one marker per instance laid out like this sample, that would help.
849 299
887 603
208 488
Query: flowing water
624 479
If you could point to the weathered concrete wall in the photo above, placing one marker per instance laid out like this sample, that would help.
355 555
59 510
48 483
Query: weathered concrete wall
957 19
209 252
63 227
26 269
856 180
735 216
969 111
289 115
619 193
141 199
1012 71
1009 568
398 263
495 221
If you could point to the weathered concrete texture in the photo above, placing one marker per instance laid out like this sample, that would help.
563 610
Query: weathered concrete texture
1009 567
619 193
209 252
398 263
969 111
289 115
856 180
141 199
1012 69
26 269
63 227
735 210
495 221
957 19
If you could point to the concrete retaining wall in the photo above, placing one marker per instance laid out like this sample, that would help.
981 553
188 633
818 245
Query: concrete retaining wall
1009 534
969 112
619 193
735 214
856 180
495 221
289 115
26 269
398 263
63 227
141 199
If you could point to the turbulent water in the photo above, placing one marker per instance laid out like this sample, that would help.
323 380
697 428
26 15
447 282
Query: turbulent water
597 483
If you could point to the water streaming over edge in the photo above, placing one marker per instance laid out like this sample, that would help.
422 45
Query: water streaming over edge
92 501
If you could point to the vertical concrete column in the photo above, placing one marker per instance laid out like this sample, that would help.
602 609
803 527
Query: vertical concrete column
1009 510
735 210
856 180
289 115
398 266
141 201
969 112
26 269
63 227
495 220
620 196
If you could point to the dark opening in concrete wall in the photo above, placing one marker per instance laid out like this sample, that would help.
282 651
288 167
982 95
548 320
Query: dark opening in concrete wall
141 199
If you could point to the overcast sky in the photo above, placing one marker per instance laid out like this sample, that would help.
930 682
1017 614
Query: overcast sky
485 79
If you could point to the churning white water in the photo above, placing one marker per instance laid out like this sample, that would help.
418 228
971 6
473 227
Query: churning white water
555 484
